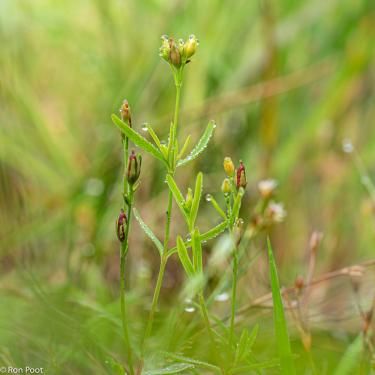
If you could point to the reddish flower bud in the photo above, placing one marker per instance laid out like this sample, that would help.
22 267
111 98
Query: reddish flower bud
121 223
241 176
134 168
125 113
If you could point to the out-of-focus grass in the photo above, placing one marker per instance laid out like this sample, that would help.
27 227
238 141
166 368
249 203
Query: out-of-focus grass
66 66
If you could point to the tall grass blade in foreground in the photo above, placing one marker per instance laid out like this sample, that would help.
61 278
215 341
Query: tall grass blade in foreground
350 358
281 330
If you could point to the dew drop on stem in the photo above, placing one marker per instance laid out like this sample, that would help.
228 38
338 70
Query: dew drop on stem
145 126
208 197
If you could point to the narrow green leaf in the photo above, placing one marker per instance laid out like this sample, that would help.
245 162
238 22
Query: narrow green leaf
184 147
252 337
218 208
192 361
212 233
154 137
180 200
172 369
137 139
184 257
241 347
148 232
246 343
256 366
350 358
281 330
201 145
197 251
196 199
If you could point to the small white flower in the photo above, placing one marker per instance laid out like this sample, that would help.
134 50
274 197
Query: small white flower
267 187
276 212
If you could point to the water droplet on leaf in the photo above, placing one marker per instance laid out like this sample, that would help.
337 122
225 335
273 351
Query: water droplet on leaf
189 309
222 297
347 146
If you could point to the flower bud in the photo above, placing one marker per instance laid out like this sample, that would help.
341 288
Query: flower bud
174 53
275 212
238 230
190 46
189 199
228 167
134 168
121 223
241 176
165 49
225 186
267 187
125 113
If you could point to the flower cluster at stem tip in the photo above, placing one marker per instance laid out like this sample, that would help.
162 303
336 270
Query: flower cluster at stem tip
178 54
238 176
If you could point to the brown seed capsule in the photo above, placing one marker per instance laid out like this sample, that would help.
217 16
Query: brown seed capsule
121 223
174 53
241 176
125 113
134 168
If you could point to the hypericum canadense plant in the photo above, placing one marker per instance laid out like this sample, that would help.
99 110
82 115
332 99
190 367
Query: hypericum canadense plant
189 244
132 170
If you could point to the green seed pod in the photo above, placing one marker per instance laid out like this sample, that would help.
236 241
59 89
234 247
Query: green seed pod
225 186
238 230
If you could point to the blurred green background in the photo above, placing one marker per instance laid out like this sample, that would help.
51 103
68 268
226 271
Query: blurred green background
286 81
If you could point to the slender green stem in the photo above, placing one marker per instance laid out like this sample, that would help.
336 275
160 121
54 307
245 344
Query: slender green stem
173 132
172 162
206 319
123 308
210 332
123 252
234 294
125 143
159 281
155 299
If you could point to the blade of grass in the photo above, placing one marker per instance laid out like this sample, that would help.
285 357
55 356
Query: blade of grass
350 358
281 330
